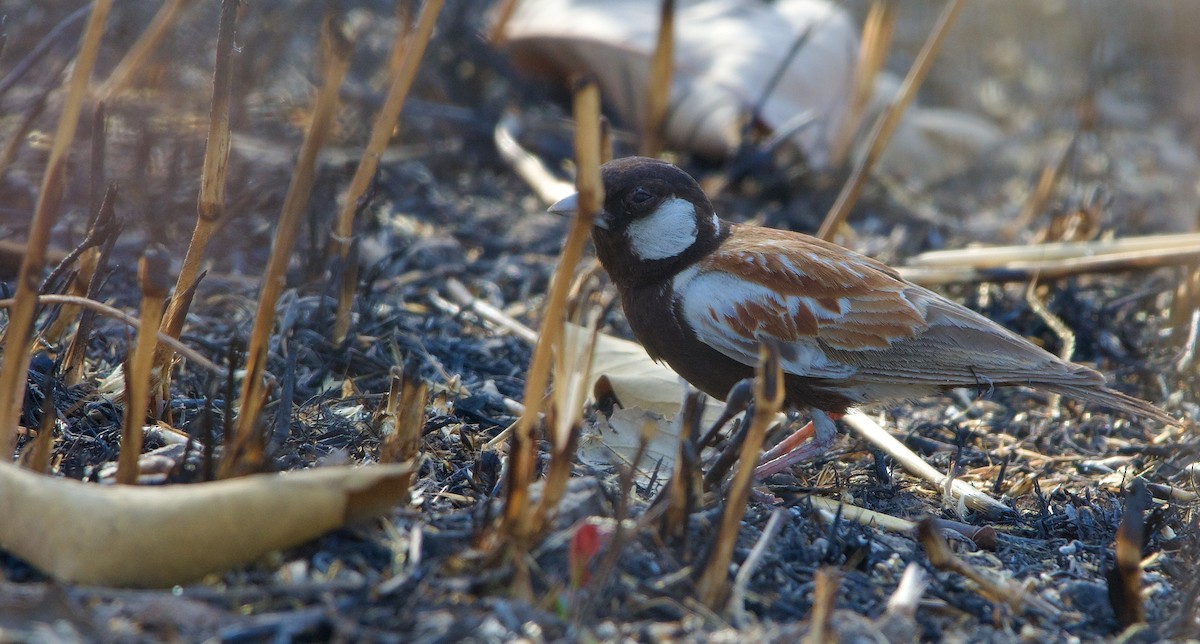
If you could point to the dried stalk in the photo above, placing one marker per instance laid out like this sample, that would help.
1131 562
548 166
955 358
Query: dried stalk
658 94
20 323
154 278
768 400
527 165
141 51
872 53
210 206
517 522
825 587
337 49
886 124
381 133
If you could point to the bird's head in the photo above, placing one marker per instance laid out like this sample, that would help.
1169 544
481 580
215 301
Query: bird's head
655 221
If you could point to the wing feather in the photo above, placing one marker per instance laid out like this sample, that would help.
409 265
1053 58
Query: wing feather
843 316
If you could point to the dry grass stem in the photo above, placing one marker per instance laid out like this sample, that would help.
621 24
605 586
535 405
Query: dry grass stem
118 314
527 165
1004 591
658 94
337 49
1055 269
517 519
153 277
872 53
712 587
210 205
381 133
20 322
1125 576
741 581
1003 256
36 456
886 124
870 431
465 299
825 589
141 51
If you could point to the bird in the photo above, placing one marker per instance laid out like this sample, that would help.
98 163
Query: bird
701 294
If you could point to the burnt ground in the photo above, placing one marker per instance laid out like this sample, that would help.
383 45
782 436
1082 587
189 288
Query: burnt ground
445 205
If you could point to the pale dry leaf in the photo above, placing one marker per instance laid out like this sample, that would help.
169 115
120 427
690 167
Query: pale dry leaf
727 55
623 368
616 441
161 536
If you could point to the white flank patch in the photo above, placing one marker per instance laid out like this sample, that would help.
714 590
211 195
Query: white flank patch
666 232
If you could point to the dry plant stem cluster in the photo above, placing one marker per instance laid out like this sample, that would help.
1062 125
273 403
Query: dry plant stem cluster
21 317
886 124
413 48
519 521
246 446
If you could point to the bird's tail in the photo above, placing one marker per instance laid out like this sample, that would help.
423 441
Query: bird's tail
1115 400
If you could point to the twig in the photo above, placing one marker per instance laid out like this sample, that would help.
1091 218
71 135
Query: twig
117 314
741 581
887 122
527 165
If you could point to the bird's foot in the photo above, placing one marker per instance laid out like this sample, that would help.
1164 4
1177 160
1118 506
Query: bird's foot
808 442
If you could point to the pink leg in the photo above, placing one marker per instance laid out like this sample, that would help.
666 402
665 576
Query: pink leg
809 441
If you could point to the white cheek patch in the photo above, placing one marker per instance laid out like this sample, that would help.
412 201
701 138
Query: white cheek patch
667 232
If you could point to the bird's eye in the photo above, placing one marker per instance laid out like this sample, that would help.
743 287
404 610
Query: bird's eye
640 197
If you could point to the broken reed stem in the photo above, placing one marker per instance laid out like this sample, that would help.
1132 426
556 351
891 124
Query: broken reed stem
20 323
36 457
210 204
336 60
137 56
876 39
881 132
768 400
825 586
1053 269
658 94
381 132
564 415
516 520
154 278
